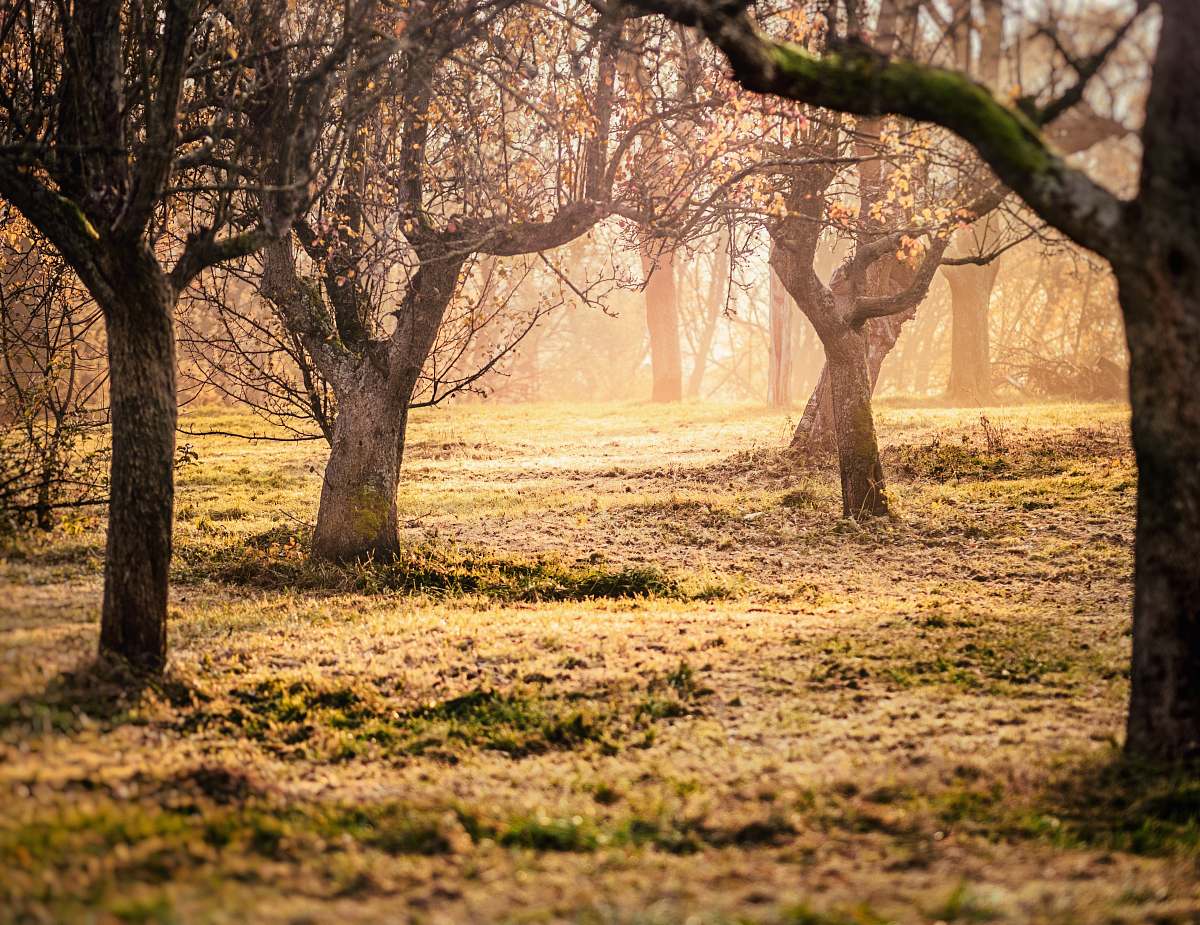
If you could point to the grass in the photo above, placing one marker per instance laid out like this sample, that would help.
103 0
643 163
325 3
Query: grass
633 668
279 559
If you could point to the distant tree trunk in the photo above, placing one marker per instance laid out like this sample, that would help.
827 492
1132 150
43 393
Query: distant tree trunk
779 370
718 287
1161 304
970 364
662 323
141 351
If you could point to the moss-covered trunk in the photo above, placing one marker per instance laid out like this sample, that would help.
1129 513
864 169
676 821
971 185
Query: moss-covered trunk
357 517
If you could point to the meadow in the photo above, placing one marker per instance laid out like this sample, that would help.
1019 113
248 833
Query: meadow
634 668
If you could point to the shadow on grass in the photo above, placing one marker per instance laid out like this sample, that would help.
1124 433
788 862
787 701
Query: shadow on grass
1124 804
279 560
1114 803
99 692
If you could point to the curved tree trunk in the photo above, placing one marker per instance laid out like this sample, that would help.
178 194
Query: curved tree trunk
1163 330
970 364
815 430
357 517
850 386
662 323
143 411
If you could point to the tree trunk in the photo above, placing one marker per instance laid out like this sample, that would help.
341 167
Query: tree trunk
779 370
815 429
1163 330
662 323
717 289
143 411
970 365
357 517
850 386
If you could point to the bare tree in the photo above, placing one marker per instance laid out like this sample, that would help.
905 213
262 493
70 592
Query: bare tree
1153 243
459 164
129 139
53 442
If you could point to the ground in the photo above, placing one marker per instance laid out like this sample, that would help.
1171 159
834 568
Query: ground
634 669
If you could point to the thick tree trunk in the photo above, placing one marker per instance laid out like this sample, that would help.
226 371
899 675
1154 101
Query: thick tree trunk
970 364
779 370
850 388
357 517
815 430
662 323
1163 329
141 351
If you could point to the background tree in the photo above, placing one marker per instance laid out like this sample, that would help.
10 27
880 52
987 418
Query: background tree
53 385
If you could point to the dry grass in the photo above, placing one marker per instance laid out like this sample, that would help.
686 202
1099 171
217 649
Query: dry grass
642 674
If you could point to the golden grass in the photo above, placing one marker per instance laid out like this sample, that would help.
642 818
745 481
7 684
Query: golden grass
910 721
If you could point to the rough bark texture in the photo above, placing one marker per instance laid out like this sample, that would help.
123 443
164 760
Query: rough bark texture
861 473
854 427
662 323
970 364
357 517
1164 708
141 350
1159 279
815 429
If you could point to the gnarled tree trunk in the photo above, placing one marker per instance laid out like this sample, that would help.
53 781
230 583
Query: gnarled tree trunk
850 390
815 430
141 351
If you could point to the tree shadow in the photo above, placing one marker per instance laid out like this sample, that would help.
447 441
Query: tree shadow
100 692
1121 803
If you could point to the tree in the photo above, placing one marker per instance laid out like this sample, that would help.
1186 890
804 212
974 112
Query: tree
365 281
128 138
1152 241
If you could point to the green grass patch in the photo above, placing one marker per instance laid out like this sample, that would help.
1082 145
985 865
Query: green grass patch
278 560
300 719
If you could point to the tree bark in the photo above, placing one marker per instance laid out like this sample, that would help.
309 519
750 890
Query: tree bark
1164 708
815 429
1157 265
143 411
357 517
970 364
662 323
850 388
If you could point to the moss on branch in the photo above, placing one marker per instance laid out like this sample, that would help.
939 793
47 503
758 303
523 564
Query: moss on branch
863 82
